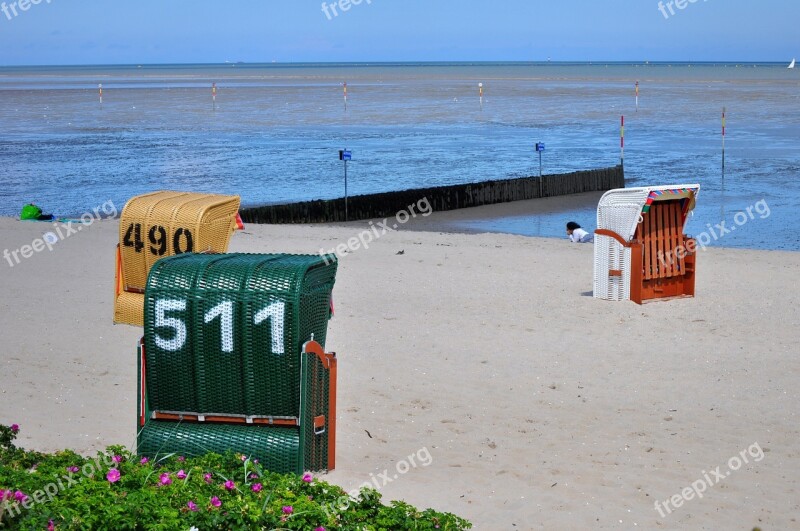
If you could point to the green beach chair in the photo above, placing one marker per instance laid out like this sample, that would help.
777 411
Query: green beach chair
232 359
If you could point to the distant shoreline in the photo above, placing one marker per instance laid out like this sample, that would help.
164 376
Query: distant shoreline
437 64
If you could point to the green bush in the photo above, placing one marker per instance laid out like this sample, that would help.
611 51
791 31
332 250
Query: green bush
118 490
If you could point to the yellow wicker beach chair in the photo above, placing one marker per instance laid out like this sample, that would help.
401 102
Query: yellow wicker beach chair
161 224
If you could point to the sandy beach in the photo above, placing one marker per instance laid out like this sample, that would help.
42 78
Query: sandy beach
540 406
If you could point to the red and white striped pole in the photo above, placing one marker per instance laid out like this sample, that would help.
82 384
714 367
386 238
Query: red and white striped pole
480 93
622 141
345 96
100 88
637 96
214 96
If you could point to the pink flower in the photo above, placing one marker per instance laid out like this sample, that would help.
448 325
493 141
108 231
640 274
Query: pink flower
144 461
20 496
308 478
164 479
207 477
243 458
181 459
51 526
255 461
15 428
117 458
113 475
320 528
215 502
192 506
3 494
257 487
287 509
73 469
181 474
230 485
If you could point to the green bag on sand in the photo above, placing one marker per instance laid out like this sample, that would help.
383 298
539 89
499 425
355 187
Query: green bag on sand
30 211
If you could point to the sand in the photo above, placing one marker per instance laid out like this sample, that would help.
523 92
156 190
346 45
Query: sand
538 406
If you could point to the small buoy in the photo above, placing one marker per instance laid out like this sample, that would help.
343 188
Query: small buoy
50 238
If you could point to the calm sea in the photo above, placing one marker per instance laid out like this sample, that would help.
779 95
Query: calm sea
276 129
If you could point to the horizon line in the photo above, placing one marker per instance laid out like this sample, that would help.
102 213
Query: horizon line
405 62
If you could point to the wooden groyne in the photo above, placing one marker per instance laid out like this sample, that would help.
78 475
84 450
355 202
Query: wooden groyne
441 198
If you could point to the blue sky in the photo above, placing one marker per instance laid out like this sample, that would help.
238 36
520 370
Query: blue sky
172 31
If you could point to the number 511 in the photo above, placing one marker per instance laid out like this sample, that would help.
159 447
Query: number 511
274 312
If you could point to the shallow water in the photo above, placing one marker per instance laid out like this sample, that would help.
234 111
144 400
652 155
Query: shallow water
276 131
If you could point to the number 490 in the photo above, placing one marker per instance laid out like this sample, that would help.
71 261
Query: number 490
157 237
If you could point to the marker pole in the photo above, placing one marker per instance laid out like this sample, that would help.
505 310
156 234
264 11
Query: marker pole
541 179
637 96
214 96
622 141
346 217
540 170
723 142
100 88
345 148
480 93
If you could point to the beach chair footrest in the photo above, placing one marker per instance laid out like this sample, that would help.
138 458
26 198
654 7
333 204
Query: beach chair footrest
277 448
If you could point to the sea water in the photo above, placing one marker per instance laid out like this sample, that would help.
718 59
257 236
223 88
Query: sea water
274 133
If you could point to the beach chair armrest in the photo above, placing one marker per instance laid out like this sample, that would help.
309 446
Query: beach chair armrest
318 415
612 234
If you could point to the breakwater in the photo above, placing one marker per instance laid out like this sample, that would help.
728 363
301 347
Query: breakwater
441 198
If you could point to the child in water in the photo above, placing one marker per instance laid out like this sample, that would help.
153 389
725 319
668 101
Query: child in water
577 234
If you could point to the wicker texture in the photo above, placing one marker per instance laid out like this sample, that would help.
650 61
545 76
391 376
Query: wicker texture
315 379
160 224
276 448
224 335
620 211
128 308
